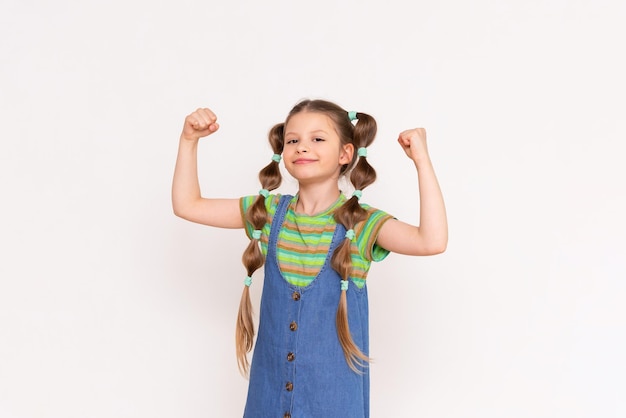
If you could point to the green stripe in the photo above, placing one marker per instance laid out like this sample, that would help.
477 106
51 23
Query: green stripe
304 256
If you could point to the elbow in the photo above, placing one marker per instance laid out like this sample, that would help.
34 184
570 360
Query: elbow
182 206
439 249
436 248
179 210
442 246
441 243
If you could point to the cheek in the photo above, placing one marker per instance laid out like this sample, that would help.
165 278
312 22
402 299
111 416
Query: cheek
287 150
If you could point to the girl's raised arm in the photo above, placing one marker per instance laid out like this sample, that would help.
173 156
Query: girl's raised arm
431 236
186 199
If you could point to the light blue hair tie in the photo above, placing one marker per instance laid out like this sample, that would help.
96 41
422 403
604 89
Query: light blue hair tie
247 281
358 193
344 285
362 152
276 157
350 234
264 192
352 115
256 234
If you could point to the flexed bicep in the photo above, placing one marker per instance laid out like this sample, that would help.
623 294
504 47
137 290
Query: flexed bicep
403 238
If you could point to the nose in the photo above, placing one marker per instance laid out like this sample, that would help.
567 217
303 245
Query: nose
301 147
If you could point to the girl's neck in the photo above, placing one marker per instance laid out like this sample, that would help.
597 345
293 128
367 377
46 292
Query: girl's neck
313 199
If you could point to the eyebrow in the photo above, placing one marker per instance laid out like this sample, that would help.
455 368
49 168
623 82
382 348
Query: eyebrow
312 132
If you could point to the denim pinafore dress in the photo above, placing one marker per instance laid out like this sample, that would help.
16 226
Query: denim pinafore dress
298 368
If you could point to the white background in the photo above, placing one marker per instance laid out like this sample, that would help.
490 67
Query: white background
110 306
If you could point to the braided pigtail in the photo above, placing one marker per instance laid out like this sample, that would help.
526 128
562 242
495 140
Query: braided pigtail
349 215
252 257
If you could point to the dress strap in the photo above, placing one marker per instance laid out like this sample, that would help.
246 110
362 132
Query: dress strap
277 222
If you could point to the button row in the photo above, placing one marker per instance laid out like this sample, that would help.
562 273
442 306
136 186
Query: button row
291 356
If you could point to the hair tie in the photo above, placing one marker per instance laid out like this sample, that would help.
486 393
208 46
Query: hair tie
247 281
276 157
264 192
362 152
256 234
352 115
358 193
344 285
350 234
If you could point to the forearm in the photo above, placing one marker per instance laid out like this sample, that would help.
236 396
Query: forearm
185 186
433 224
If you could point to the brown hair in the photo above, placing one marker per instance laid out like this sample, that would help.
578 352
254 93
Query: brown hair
252 257
362 174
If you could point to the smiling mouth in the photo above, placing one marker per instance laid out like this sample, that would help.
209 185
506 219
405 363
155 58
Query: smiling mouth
303 161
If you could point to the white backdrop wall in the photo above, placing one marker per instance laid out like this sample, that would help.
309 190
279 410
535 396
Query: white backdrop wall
110 306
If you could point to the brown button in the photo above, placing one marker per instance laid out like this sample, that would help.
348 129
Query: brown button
293 326
289 386
295 296
287 415
291 357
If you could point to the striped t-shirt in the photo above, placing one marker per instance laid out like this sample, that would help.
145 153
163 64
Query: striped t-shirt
304 240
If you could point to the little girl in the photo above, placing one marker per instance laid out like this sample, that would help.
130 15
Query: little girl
311 353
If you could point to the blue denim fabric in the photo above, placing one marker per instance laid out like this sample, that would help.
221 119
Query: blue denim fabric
298 367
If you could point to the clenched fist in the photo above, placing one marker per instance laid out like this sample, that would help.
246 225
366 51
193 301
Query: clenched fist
200 123
413 142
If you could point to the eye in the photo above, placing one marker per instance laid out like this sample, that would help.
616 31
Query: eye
318 139
291 141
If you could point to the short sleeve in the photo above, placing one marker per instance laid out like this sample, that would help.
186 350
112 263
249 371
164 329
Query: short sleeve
367 233
271 203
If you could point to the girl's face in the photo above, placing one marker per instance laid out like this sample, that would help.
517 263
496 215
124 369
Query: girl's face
313 151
